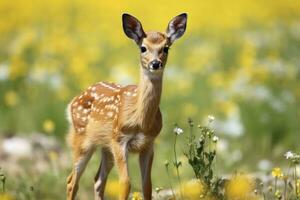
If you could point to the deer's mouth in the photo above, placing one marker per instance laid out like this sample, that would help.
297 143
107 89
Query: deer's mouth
156 71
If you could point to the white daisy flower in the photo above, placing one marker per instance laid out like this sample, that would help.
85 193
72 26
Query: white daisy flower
211 118
289 155
215 139
178 130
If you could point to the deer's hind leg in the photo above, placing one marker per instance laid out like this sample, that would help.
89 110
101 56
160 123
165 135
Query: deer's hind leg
105 167
81 156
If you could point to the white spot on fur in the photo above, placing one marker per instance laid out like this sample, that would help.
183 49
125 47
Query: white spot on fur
85 111
110 114
97 97
81 130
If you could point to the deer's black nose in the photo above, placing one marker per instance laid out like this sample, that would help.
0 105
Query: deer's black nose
155 64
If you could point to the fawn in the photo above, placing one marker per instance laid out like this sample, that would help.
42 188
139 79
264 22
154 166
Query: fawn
122 119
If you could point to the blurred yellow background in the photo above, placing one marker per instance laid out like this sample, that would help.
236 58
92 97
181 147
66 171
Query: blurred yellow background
239 60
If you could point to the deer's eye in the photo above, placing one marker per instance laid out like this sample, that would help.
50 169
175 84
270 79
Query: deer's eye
143 49
166 49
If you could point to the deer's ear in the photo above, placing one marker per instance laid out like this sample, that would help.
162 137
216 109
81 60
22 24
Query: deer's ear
176 27
133 28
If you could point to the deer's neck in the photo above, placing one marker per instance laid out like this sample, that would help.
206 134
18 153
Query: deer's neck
147 99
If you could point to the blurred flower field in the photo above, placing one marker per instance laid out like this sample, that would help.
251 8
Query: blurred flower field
239 61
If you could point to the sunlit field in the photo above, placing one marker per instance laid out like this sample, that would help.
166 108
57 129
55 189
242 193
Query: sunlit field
230 100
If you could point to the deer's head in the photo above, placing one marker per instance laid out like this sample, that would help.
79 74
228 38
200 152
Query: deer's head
154 45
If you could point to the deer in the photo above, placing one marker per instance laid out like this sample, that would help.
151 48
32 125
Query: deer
122 119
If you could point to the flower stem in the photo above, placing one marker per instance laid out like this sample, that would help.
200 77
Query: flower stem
170 183
3 184
295 178
177 166
285 189
275 186
191 141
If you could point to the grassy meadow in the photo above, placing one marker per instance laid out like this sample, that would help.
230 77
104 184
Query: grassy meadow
235 72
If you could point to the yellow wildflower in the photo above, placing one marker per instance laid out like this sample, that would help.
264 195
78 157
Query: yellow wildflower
136 196
193 189
48 126
11 98
239 187
112 189
277 173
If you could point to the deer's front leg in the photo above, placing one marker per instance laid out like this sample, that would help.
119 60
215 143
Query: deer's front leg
146 159
120 155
